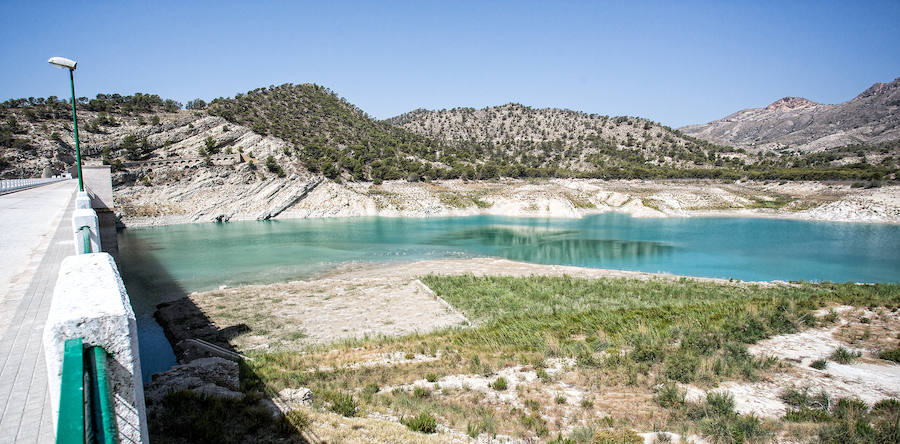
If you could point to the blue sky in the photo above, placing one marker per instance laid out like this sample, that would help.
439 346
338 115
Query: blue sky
674 62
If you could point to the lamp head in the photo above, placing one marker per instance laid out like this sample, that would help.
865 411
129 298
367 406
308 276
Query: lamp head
63 62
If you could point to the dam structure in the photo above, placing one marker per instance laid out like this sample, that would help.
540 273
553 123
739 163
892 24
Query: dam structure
67 331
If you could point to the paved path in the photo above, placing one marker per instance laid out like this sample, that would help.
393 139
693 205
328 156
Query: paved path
35 236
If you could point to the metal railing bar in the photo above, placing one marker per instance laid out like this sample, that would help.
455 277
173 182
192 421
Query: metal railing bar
70 423
86 238
102 411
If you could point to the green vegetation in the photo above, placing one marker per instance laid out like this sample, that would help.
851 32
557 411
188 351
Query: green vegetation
273 166
844 356
618 331
775 204
333 137
890 355
337 139
423 422
819 364
844 420
342 403
499 384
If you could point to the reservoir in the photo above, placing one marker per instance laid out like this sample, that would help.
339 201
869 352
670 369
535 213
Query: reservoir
165 263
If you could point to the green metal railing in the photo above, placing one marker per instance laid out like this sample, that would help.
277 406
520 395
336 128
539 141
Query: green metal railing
72 427
86 238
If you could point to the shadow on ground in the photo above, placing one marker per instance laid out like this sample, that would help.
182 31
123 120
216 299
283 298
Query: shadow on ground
210 396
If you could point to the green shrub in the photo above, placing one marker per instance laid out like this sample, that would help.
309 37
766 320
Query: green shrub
703 342
423 423
846 408
670 396
735 429
431 377
890 355
273 167
819 364
296 418
499 384
800 398
737 352
806 414
718 404
748 330
421 392
646 349
344 404
844 356
543 376
831 317
682 366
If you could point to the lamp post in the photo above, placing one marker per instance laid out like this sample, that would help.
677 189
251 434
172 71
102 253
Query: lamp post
65 63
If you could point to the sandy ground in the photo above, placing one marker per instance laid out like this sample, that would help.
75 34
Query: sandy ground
364 300
869 378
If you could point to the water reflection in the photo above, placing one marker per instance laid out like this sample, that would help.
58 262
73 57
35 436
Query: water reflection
588 251
550 246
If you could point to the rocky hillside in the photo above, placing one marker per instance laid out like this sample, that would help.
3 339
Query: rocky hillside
307 132
334 137
570 140
801 125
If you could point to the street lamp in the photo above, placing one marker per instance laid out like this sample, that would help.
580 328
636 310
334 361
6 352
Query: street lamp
65 63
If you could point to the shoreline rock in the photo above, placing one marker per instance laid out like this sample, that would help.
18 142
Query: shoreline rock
555 198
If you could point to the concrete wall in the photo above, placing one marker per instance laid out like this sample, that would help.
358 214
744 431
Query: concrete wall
90 302
98 184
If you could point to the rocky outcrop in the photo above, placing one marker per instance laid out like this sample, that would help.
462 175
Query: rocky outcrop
215 377
570 198
871 117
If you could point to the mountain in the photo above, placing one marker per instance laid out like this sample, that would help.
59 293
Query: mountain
310 132
801 125
554 138
333 136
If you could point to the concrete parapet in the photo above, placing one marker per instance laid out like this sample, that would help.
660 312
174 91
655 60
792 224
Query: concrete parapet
90 302
98 183
83 200
82 217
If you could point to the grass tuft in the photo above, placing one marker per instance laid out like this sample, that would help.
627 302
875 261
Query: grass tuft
423 423
844 356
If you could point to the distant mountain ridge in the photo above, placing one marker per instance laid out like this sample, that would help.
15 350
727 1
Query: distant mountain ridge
799 124
298 130
544 137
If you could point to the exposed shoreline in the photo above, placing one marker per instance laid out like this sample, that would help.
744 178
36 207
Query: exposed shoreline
325 304
552 198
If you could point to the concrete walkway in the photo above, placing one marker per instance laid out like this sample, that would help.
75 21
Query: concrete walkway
35 236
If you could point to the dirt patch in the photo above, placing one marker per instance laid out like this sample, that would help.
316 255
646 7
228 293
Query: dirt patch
868 378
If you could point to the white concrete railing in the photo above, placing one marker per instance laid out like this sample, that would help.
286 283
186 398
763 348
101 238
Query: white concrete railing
90 302
18 184
85 216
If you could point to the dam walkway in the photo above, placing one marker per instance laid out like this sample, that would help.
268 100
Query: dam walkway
35 236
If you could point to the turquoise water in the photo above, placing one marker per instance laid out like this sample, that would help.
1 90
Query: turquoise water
163 263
